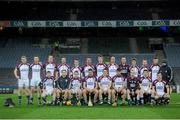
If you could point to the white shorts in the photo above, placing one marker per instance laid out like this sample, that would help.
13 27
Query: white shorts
90 87
161 94
49 91
146 90
23 83
34 83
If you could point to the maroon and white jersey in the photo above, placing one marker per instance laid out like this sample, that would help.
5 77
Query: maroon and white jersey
159 87
142 70
154 70
104 81
23 70
145 83
48 83
79 69
76 83
36 71
99 69
86 69
61 67
50 67
119 81
112 69
135 69
90 82
125 69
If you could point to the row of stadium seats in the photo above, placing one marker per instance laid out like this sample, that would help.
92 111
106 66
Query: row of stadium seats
11 56
173 55
7 80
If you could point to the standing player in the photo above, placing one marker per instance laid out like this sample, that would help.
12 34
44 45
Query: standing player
145 85
134 67
100 66
21 73
48 88
88 66
133 89
104 82
76 68
36 70
112 67
160 89
124 67
167 74
154 69
50 65
76 86
90 87
62 87
61 67
144 66
119 87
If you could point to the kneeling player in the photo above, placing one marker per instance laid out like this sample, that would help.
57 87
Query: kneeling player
90 87
75 86
118 87
160 90
145 85
133 89
62 87
48 88
104 82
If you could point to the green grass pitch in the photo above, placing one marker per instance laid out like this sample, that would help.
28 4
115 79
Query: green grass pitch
171 111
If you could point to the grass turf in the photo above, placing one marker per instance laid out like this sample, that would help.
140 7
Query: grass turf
171 111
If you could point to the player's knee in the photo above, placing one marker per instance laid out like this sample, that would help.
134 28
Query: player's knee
113 91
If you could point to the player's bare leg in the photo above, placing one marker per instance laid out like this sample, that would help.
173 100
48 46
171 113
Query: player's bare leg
20 92
137 96
124 94
109 96
129 97
141 94
44 97
27 93
85 95
32 94
113 96
57 94
39 92
65 95
54 96
100 96
96 92
152 97
79 95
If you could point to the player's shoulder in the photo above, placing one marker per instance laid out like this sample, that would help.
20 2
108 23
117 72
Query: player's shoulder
155 81
100 77
19 65
163 81
109 77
